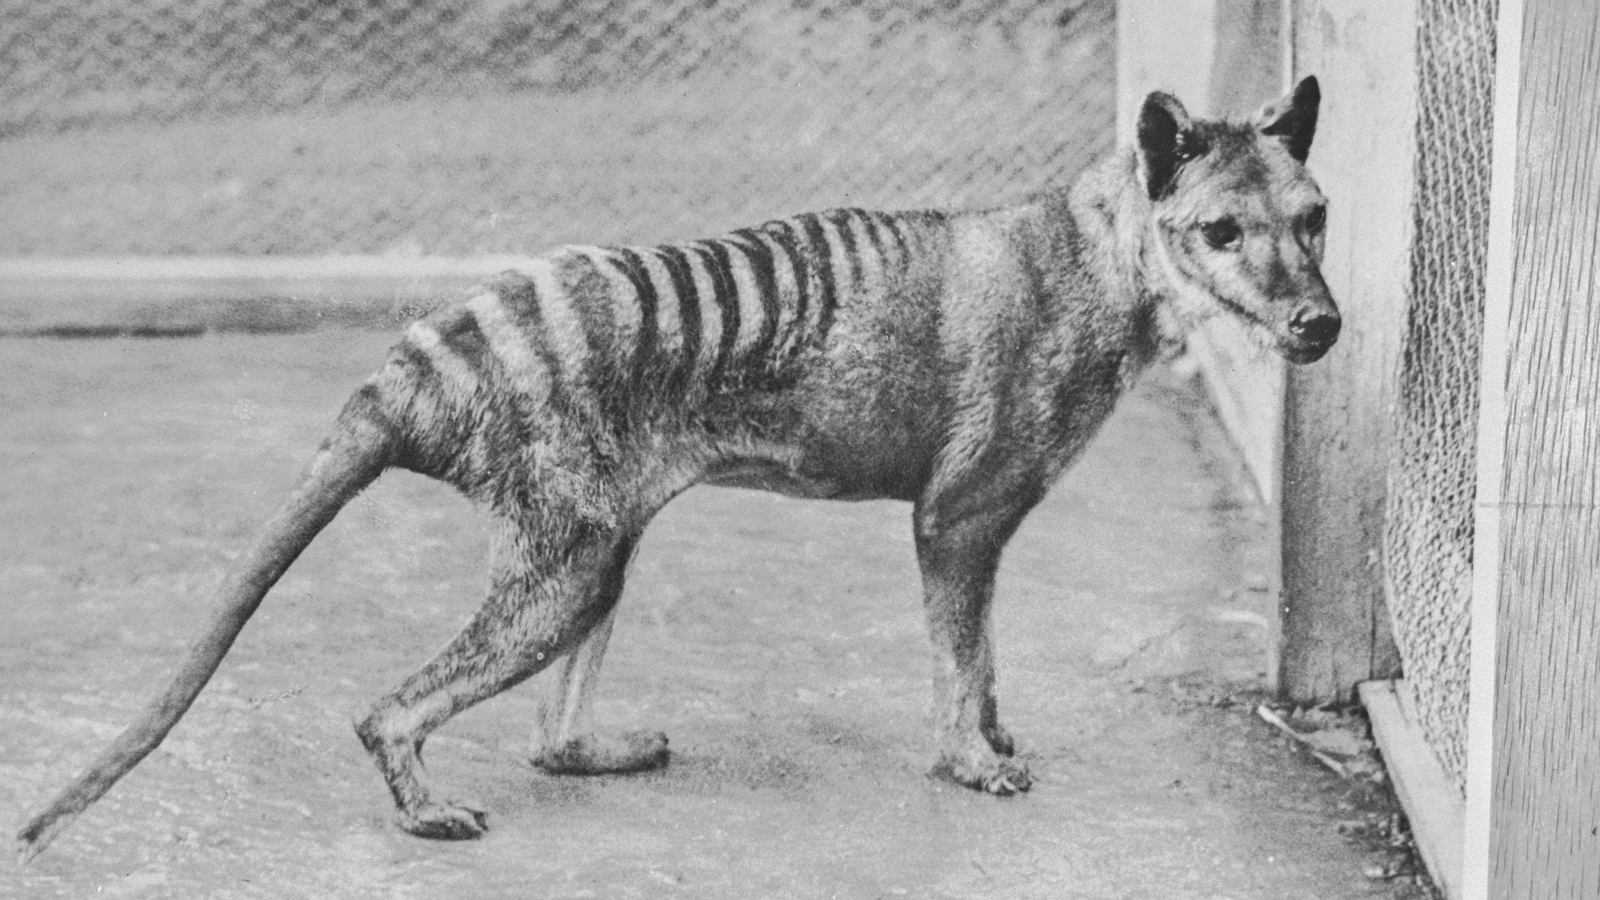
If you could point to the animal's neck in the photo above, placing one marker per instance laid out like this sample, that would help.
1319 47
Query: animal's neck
1111 209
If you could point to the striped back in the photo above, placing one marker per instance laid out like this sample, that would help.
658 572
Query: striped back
625 330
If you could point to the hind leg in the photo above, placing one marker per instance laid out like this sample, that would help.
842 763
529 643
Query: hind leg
542 602
564 740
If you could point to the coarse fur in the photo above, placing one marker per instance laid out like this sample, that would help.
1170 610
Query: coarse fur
955 360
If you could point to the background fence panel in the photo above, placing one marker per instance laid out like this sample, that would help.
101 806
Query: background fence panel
1427 550
426 126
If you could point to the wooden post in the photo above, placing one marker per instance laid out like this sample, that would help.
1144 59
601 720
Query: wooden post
1334 624
1544 827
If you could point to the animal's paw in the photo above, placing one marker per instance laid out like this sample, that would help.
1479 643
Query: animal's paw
445 821
603 754
997 775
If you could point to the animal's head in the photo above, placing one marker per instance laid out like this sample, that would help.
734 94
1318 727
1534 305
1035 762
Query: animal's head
1237 222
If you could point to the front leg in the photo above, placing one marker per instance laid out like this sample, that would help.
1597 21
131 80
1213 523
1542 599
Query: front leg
958 557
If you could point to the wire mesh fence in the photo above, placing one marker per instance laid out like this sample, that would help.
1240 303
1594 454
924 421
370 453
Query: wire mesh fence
1429 532
406 126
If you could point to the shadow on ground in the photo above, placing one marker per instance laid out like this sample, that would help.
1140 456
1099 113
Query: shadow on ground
778 642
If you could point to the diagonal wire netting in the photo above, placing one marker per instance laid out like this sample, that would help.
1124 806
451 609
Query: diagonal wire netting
315 126
1429 532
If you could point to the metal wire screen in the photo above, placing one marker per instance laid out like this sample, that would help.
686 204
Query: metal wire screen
450 126
1428 540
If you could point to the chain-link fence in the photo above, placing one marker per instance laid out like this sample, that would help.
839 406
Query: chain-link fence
316 126
1433 470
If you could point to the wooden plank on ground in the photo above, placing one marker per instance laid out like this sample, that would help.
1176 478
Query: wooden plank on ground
1436 809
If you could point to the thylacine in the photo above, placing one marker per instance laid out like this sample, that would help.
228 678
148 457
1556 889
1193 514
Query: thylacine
958 361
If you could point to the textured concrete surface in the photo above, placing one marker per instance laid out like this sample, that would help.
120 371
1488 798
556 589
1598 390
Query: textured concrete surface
778 642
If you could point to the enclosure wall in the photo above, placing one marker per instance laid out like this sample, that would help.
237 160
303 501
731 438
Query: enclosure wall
422 127
1546 790
1427 554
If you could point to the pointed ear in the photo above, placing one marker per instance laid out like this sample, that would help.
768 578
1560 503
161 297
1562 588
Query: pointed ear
1293 119
1167 139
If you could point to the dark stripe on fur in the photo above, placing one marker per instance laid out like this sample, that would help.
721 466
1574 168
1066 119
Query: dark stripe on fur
520 299
869 222
783 234
596 316
726 294
902 255
420 445
632 268
367 402
677 263
759 254
503 419
852 254
460 333
822 267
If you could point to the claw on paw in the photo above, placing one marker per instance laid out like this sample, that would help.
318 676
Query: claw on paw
1013 778
999 776
1004 785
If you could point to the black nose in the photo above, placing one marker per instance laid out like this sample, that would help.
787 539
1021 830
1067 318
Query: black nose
1315 327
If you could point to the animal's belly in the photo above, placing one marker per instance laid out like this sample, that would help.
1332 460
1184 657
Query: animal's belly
765 475
821 442
808 482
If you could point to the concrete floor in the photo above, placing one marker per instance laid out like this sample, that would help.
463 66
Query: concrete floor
778 642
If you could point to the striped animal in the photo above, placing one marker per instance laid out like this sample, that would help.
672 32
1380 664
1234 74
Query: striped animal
957 361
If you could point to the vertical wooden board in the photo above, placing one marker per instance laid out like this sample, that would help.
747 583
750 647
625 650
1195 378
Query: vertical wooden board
1244 380
1247 62
1161 46
1545 809
1337 429
1500 263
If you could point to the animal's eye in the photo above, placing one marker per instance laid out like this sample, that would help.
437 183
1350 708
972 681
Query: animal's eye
1316 219
1220 233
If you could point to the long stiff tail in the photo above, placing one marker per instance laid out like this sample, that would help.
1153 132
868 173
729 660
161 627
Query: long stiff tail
349 460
